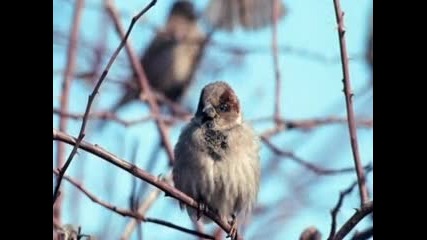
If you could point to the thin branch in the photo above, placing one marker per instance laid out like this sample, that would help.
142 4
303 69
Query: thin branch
198 226
275 16
337 207
92 97
87 47
182 229
240 50
312 167
96 68
129 213
66 84
141 174
138 69
364 235
307 124
218 234
142 209
284 50
364 197
273 131
113 117
366 209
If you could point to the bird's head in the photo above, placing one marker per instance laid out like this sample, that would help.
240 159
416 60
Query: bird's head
183 9
218 106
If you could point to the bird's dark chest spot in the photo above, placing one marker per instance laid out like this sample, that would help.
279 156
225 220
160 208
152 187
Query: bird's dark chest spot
216 142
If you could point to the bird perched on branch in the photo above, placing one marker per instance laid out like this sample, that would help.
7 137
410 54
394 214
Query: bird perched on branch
217 157
171 57
248 14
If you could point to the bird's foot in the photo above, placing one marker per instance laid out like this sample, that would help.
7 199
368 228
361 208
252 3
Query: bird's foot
201 208
233 231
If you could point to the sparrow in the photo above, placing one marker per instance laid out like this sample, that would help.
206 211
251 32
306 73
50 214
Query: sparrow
170 59
248 14
217 157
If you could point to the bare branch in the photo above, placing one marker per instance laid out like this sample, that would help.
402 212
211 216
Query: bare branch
129 213
366 209
90 101
257 49
337 207
218 233
138 69
142 209
141 174
364 235
199 228
275 16
86 46
364 197
113 117
66 84
307 124
312 167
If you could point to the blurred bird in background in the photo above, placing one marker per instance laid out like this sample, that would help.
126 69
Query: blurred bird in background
248 14
171 58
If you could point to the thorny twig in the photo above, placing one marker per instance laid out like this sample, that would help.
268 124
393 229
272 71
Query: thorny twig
349 104
337 207
366 209
310 166
138 69
141 174
66 84
92 97
129 213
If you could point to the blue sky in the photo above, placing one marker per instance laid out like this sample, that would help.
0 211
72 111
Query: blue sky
310 88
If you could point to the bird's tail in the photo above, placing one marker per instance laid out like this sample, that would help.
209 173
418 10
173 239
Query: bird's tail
193 215
248 14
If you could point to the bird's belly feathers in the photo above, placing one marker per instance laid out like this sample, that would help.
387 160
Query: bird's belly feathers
184 56
227 183
224 184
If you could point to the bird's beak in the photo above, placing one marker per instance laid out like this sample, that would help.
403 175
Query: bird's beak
209 111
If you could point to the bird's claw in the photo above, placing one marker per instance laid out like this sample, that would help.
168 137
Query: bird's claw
233 231
200 209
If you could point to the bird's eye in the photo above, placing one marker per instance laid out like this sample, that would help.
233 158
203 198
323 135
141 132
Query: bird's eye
224 107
